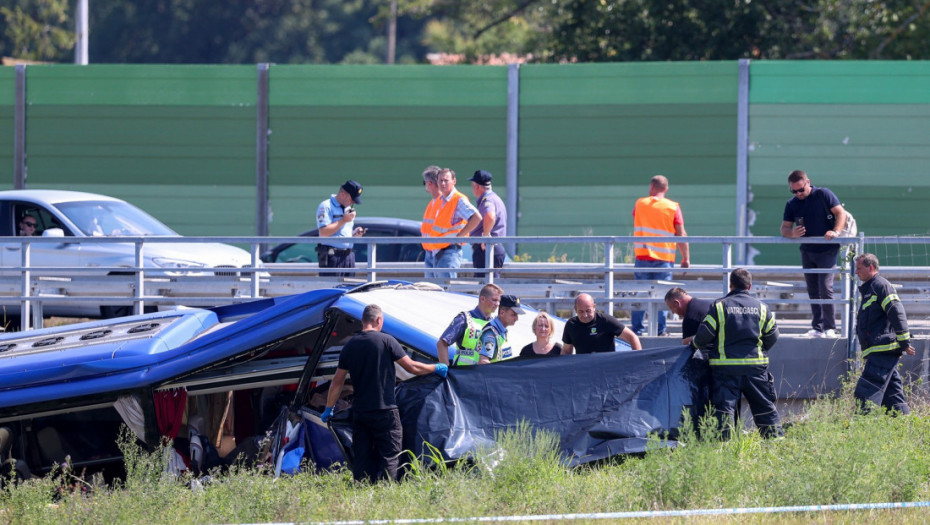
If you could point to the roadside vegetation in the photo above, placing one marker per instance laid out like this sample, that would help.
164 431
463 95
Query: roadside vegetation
830 456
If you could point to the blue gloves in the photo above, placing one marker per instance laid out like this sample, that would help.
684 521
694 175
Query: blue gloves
442 370
327 414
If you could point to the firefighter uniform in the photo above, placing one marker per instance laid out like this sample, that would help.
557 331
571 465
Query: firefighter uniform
738 331
881 326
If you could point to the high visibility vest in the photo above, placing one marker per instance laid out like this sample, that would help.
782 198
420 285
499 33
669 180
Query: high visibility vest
466 352
655 218
429 216
442 225
502 348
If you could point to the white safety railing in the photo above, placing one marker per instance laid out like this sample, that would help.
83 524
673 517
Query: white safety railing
612 283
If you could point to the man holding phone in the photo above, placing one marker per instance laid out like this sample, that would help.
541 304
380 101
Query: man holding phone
815 212
335 218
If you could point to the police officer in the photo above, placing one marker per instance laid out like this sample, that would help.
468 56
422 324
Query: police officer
465 329
335 218
739 330
881 326
494 344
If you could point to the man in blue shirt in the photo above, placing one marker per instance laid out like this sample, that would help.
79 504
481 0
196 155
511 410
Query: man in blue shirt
815 212
493 222
465 329
494 344
335 218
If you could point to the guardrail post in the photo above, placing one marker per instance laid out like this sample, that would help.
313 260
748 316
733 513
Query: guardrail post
254 278
25 313
609 276
851 322
372 261
489 260
139 305
727 264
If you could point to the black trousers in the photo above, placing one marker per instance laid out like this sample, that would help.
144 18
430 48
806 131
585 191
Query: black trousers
881 383
376 445
759 390
477 257
820 286
336 258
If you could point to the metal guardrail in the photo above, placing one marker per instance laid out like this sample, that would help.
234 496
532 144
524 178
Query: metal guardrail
32 287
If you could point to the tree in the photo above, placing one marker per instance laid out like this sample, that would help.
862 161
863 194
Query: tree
36 29
241 31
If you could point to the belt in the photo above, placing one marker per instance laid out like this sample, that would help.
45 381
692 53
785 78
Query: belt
450 247
336 251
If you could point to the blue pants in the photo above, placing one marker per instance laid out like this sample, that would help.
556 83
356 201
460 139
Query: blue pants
664 275
450 257
881 383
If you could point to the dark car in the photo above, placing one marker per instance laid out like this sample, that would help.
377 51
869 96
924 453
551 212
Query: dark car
376 227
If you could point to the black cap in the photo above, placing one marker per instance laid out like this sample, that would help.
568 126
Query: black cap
482 178
354 190
512 302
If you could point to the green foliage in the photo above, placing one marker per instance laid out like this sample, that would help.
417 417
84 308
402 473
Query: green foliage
829 455
36 29
278 31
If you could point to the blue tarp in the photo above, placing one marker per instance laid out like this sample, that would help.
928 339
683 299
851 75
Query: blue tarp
599 405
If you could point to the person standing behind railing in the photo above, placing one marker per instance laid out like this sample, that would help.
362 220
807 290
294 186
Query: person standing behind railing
493 222
335 219
806 215
656 217
448 217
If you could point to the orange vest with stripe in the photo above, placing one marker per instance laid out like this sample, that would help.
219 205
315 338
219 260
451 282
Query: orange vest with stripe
441 213
655 218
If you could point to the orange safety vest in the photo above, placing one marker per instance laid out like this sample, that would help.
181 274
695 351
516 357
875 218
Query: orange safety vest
441 224
654 217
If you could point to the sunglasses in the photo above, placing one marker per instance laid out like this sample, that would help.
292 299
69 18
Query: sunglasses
30 224
799 190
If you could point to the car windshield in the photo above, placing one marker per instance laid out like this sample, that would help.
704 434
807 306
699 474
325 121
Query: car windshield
112 218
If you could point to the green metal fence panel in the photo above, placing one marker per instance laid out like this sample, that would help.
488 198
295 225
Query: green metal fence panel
181 138
592 136
379 125
861 129
7 129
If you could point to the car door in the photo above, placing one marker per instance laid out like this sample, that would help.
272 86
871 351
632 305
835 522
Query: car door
42 254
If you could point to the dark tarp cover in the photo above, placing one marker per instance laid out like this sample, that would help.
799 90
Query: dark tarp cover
600 405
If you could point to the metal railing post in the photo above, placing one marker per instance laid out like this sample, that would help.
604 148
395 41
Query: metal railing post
727 264
139 292
489 261
254 277
25 312
609 276
373 261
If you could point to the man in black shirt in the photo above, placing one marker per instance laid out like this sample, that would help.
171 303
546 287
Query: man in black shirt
692 311
815 212
369 358
591 331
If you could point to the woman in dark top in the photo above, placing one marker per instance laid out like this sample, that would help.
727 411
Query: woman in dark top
544 346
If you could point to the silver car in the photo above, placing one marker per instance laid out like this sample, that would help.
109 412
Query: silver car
76 214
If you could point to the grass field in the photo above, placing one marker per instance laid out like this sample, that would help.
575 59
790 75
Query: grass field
829 456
